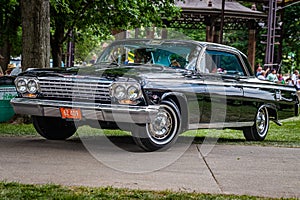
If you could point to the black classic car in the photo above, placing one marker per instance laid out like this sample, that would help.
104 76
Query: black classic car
156 89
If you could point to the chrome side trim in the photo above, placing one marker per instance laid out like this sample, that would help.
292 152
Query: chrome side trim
220 125
96 111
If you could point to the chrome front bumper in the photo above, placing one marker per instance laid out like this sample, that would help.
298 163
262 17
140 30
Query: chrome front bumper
95 111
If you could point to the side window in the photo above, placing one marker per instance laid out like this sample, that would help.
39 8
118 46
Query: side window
223 63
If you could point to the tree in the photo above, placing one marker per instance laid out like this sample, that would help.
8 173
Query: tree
10 20
291 42
101 17
35 35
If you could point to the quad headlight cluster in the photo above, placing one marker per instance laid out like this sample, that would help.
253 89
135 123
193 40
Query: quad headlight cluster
27 86
125 92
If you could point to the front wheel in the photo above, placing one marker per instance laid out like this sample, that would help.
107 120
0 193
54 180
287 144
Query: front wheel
163 130
259 130
53 128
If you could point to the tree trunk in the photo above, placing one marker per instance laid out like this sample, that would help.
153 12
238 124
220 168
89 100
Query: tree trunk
56 50
5 52
36 33
56 43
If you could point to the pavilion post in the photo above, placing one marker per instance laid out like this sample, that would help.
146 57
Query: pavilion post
216 34
164 33
252 44
209 33
136 33
209 22
222 21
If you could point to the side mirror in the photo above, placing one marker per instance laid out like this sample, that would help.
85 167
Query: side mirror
188 73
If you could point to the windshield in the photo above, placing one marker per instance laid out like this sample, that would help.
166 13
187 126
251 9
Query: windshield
174 54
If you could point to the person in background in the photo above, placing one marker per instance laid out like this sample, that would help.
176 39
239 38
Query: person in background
258 71
288 81
10 67
94 59
1 71
175 64
298 85
295 77
281 79
262 75
272 76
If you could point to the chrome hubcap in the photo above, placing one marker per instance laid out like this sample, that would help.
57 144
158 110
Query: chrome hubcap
261 122
160 126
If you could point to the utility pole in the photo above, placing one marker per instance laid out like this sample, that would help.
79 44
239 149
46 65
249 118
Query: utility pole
271 34
222 22
71 50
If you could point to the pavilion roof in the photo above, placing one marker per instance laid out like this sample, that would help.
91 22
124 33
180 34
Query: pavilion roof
232 9
279 1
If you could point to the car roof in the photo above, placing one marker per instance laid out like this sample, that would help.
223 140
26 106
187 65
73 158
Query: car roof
153 41
209 45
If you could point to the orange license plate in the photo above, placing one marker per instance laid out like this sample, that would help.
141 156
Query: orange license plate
70 113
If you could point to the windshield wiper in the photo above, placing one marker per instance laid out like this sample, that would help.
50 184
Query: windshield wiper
115 64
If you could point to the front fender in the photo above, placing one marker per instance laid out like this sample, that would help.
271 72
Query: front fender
182 103
272 110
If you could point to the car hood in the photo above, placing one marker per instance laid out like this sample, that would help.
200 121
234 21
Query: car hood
112 73
151 73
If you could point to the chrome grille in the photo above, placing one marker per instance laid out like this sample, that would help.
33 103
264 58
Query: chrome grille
75 88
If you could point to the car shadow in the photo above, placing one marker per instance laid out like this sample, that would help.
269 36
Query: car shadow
127 143
200 140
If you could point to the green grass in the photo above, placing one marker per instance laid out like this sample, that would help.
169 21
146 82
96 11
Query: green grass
50 191
7 129
287 135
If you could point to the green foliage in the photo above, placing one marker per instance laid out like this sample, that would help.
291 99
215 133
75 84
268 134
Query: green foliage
51 191
237 39
87 44
94 20
291 25
194 34
291 43
102 17
10 21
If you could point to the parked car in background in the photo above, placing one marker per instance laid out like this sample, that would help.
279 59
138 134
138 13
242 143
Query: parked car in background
7 92
51 63
157 89
15 61
16 66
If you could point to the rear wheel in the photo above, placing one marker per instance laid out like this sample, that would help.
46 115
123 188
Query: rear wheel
259 130
162 132
53 128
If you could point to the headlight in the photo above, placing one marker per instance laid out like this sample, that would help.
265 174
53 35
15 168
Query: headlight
120 92
27 85
133 92
32 86
21 85
126 92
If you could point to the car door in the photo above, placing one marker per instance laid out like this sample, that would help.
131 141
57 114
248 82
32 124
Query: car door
224 92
